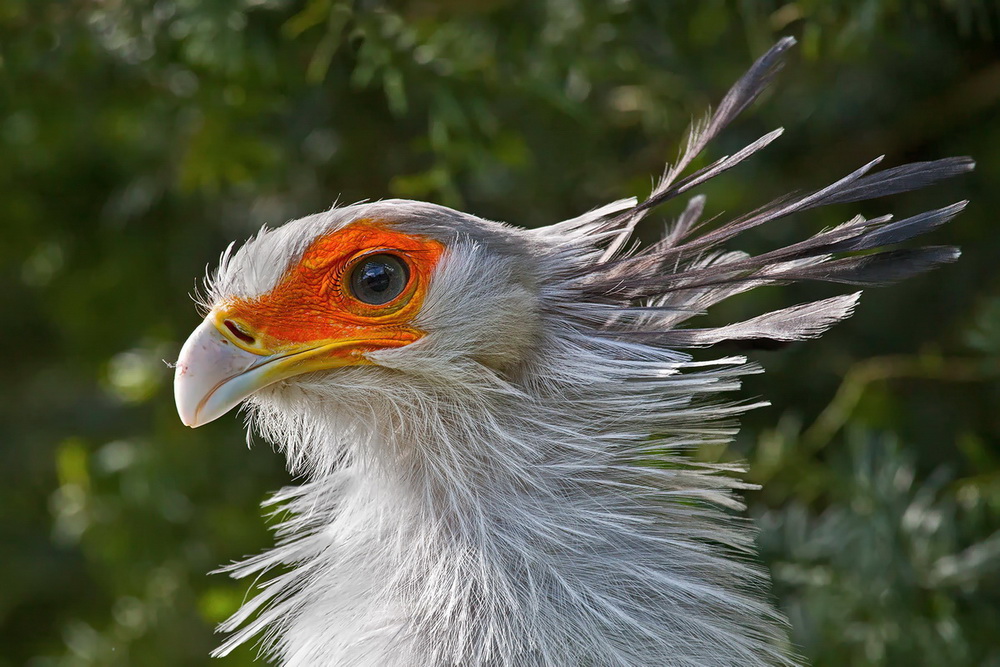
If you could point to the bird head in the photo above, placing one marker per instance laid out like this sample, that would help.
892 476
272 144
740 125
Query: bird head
371 293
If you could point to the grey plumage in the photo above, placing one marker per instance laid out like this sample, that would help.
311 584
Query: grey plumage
514 488
670 267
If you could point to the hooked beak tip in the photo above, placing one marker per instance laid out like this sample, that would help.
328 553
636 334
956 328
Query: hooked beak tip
206 376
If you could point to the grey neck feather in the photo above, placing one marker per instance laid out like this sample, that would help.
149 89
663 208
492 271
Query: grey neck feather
519 525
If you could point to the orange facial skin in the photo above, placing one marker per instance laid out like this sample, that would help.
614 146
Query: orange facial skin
313 307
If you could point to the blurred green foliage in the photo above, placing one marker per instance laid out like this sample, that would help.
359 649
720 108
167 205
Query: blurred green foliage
139 137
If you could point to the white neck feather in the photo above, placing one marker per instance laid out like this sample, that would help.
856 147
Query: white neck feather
534 523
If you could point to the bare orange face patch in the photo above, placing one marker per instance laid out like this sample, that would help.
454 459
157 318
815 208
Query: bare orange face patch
313 303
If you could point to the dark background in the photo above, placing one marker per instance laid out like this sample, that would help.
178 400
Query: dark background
138 138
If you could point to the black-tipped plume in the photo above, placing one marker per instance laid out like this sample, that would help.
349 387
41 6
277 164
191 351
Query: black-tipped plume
684 273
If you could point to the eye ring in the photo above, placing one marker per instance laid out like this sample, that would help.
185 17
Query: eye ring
378 279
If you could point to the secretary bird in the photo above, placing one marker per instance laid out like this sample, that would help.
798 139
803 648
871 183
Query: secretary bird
494 424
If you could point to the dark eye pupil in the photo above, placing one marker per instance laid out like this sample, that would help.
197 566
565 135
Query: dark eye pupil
379 279
375 277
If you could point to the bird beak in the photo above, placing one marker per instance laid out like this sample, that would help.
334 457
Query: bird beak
214 373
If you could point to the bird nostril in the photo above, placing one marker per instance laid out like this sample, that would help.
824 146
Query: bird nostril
239 333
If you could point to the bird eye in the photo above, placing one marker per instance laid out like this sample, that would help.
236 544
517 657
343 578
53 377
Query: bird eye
379 279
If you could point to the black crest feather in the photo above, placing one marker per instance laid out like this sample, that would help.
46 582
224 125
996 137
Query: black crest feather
678 277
